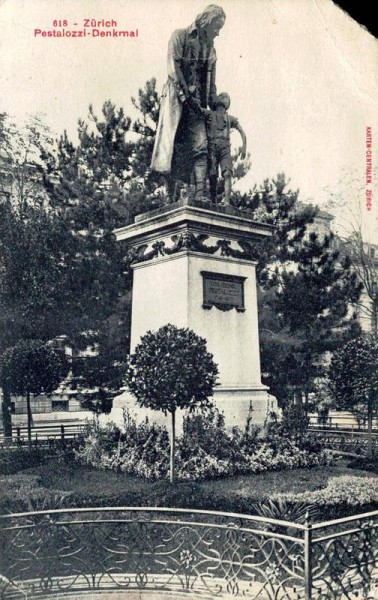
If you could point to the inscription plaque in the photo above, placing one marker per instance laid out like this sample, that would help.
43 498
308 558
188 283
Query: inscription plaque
223 291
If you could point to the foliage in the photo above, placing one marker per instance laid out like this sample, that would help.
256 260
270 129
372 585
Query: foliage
23 152
171 368
293 424
33 367
61 270
345 490
305 291
95 186
365 265
23 492
204 451
353 376
37 250
364 463
14 460
244 494
141 450
55 280
282 510
353 372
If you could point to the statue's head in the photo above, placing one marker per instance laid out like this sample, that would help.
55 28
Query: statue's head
211 20
223 99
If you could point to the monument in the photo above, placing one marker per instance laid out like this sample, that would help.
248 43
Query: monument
194 266
194 262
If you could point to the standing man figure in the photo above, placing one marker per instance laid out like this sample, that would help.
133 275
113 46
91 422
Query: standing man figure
180 150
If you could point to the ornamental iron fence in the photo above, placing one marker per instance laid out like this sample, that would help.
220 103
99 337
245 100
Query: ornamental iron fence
345 441
69 553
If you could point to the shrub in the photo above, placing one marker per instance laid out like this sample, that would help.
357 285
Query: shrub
23 492
205 450
366 464
20 458
344 491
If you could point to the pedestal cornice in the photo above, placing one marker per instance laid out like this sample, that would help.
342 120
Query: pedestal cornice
205 229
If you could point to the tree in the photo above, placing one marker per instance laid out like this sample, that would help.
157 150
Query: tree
353 376
97 379
357 239
170 369
305 291
95 187
24 155
34 244
365 264
61 270
314 301
33 367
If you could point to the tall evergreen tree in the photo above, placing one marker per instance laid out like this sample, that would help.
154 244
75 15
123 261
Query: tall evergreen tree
306 291
96 186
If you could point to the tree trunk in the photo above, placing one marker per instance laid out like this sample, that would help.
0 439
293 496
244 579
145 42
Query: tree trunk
30 418
370 424
173 443
306 394
7 416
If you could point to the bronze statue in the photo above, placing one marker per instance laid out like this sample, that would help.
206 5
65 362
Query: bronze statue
181 147
218 126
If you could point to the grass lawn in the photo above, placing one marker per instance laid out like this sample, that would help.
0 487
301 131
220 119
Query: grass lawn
56 485
295 481
86 481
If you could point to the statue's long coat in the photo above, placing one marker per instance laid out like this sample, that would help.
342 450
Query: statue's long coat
185 54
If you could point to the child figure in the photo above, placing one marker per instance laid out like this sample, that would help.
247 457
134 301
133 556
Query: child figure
218 126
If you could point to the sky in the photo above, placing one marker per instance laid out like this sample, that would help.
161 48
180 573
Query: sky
302 76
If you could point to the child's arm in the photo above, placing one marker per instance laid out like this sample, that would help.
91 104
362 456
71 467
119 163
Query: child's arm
243 151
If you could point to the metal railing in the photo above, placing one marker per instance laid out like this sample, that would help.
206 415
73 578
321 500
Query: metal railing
340 420
355 442
201 553
42 435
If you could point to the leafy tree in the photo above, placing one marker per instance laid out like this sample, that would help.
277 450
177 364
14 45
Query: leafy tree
365 264
170 369
353 376
32 367
97 379
24 153
305 292
314 301
95 187
33 244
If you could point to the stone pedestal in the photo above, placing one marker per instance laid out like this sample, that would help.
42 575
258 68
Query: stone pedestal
194 266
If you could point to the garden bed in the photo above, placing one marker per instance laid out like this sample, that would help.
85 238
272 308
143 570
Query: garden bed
56 484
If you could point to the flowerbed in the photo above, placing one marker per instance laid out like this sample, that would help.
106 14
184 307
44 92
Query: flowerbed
205 450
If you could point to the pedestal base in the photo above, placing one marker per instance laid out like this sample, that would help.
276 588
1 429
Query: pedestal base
241 404
237 404
194 266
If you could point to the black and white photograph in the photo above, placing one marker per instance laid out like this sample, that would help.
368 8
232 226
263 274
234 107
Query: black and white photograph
188 300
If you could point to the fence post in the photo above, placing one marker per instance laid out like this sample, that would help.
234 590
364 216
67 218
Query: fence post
18 430
308 557
62 432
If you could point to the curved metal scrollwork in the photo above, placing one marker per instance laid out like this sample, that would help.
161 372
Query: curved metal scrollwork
215 554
